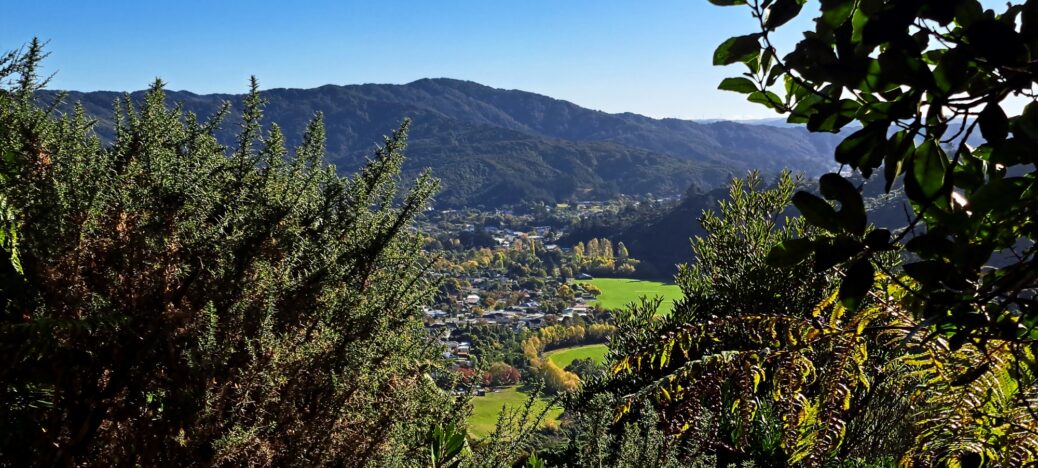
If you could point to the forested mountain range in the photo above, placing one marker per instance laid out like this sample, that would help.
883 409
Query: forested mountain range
493 147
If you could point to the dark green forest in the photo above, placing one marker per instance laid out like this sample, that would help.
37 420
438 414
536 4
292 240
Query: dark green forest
493 147
188 281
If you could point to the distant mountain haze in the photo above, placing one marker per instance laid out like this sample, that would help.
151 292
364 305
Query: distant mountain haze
494 147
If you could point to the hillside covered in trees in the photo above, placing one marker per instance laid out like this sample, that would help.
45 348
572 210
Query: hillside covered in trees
493 147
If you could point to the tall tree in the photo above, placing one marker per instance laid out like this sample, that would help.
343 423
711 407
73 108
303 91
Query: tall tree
593 248
621 252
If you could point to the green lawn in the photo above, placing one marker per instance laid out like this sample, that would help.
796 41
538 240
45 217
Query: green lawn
563 357
618 292
485 409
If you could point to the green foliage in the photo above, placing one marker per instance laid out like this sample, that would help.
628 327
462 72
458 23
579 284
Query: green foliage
730 275
778 374
495 343
186 303
447 447
927 81
555 378
534 462
760 363
975 404
496 147
585 368
727 289
640 442
600 258
13 64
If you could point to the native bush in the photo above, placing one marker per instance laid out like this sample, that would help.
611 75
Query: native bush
182 302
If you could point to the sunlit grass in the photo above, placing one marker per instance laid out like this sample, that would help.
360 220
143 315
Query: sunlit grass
618 292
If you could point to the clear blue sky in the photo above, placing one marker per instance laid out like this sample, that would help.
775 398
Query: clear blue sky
649 57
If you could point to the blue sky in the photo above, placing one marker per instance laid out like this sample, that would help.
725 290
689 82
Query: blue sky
649 57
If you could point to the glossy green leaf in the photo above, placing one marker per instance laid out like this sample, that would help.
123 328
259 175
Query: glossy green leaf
1026 125
951 76
968 12
878 239
836 12
997 42
738 85
833 116
928 272
900 148
994 125
781 12
835 251
927 171
930 244
852 215
737 49
767 99
865 148
817 211
790 252
998 192
856 283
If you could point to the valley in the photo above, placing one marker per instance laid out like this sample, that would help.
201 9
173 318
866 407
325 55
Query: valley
239 264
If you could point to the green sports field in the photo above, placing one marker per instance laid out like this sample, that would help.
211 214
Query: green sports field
485 409
563 357
618 292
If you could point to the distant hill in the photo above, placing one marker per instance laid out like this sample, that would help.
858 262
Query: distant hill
493 147
663 240
769 121
660 240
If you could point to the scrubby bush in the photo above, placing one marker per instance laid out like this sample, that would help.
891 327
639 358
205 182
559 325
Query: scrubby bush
178 302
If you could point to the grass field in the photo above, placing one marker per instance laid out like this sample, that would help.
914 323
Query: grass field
485 409
618 292
563 357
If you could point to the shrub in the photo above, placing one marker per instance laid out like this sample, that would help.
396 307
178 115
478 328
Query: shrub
183 303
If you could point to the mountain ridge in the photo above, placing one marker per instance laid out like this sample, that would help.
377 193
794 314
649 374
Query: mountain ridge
494 147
